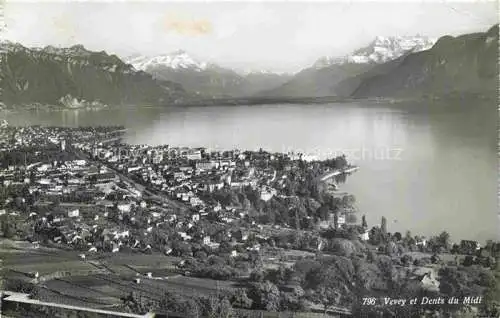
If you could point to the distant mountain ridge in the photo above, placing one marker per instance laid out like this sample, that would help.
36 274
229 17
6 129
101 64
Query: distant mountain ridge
203 78
387 67
381 50
403 67
316 82
466 64
179 59
47 75
322 77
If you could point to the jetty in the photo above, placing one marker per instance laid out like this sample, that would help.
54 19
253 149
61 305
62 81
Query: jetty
337 172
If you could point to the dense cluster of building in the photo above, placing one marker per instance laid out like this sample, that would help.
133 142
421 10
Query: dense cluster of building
84 189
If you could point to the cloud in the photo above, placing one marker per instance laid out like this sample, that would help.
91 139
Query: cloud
182 25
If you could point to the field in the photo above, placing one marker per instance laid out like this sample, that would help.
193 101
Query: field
100 281
105 291
285 258
444 257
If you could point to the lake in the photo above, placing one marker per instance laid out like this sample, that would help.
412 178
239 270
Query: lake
425 167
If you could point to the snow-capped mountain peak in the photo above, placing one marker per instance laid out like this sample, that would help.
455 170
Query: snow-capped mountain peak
326 61
382 49
176 60
250 72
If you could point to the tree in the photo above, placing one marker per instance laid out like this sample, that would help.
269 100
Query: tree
384 263
435 259
383 226
215 307
408 240
468 261
7 228
364 224
443 240
182 248
343 247
265 296
406 260
297 220
376 236
257 275
225 310
192 308
303 268
391 248
135 303
255 259
330 284
371 256
336 220
397 236
328 293
323 212
201 255
241 300
172 302
279 276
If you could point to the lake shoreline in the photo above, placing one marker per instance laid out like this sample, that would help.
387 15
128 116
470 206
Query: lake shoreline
260 101
249 101
409 153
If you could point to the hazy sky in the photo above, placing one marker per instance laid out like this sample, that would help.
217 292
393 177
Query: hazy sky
281 36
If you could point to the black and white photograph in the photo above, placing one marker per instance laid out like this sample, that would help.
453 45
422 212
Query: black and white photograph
249 159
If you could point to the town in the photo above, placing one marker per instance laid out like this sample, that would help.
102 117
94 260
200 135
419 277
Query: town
134 225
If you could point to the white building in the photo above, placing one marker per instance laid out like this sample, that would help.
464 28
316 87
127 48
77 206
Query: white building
267 194
73 213
80 162
341 219
206 240
364 236
124 207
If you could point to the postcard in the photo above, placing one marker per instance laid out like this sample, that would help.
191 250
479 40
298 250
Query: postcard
249 159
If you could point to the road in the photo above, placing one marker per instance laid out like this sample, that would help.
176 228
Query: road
173 203
24 298
143 189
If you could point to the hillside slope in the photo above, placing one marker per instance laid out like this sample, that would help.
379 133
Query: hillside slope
324 77
467 64
316 82
349 85
47 75
205 79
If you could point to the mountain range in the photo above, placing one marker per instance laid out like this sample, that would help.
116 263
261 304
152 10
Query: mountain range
404 67
51 75
401 67
323 77
203 78
381 50
466 64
